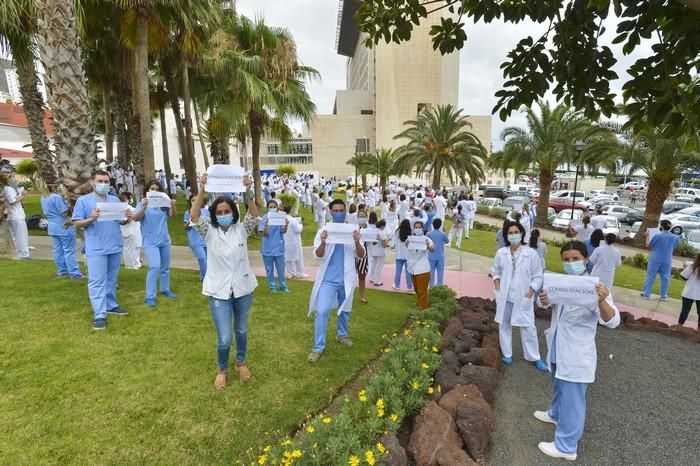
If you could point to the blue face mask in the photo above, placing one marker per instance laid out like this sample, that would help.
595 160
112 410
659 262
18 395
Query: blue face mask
362 221
338 217
102 189
515 240
418 231
225 220
574 268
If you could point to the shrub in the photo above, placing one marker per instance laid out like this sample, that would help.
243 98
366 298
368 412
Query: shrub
286 171
288 200
486 226
686 250
396 391
498 213
483 210
638 260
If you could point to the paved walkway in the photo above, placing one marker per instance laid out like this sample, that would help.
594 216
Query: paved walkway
465 273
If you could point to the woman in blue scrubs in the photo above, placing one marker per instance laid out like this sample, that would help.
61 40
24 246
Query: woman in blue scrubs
272 249
156 244
195 240
62 233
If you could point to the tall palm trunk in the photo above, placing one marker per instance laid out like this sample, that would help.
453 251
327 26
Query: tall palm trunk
546 179
256 136
109 124
122 110
659 188
174 98
134 138
437 172
201 136
142 105
190 162
59 47
33 103
164 131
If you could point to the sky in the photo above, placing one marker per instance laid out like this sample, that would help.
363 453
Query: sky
313 25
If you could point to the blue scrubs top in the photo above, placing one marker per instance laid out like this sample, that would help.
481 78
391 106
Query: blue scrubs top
154 226
54 207
500 240
194 239
439 240
273 243
335 272
662 246
429 225
101 238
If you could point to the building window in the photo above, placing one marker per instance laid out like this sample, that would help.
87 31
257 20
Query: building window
422 107
366 112
361 145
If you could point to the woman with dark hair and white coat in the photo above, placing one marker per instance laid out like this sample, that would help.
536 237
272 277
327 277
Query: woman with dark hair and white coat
572 357
517 274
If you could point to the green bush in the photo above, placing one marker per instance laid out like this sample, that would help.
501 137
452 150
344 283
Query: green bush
486 226
638 260
483 210
686 250
394 392
288 200
498 213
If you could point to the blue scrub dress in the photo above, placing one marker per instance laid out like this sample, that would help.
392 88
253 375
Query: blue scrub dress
272 251
156 248
64 244
197 243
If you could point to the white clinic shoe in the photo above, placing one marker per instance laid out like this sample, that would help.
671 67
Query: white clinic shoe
544 417
549 449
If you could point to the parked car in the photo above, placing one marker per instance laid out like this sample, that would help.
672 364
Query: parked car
551 214
688 195
637 185
593 193
633 215
694 211
535 192
619 211
671 207
612 225
517 188
510 202
489 201
692 237
682 223
563 218
634 230
564 199
483 187
495 191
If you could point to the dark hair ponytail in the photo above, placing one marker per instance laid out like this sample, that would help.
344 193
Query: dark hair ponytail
404 230
534 237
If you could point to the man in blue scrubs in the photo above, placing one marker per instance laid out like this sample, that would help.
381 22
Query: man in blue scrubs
436 257
63 236
272 249
662 246
195 240
103 249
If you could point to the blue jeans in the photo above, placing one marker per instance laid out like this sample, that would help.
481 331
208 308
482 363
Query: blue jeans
569 410
102 282
158 258
200 252
64 248
437 265
664 270
401 264
272 263
326 294
230 313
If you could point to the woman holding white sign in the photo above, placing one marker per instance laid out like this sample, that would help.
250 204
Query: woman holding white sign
273 226
517 275
156 242
417 261
572 356
229 281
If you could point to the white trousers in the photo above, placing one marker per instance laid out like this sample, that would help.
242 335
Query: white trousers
20 237
455 232
294 268
132 253
528 337
468 225
376 264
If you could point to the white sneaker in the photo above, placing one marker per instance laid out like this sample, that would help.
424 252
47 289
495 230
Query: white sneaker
544 417
549 449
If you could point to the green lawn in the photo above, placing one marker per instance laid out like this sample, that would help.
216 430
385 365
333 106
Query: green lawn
32 206
141 392
484 243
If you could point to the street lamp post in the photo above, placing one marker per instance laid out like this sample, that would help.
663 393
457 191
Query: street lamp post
579 145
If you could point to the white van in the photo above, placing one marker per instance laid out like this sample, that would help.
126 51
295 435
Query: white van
688 194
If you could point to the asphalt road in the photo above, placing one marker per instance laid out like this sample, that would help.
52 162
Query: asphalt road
643 408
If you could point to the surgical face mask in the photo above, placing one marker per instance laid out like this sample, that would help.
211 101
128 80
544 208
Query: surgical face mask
418 231
574 268
362 221
102 188
338 217
224 220
272 209
515 239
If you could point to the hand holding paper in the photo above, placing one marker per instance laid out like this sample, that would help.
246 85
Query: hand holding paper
417 243
110 211
276 218
156 199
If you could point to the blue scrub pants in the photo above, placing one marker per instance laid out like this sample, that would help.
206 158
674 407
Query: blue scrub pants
326 293
437 269
664 270
272 263
569 410
158 258
64 248
401 264
200 252
102 282
227 313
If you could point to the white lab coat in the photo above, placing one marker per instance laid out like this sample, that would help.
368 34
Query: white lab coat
392 220
605 260
350 275
691 290
575 328
440 206
131 236
528 274
292 240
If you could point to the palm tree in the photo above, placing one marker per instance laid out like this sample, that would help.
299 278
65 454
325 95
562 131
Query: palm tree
364 164
59 47
543 147
662 160
440 143
17 24
260 83
386 164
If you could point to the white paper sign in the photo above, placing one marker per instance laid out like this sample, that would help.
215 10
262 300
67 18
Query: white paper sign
157 199
340 233
571 290
652 232
417 243
110 211
224 179
369 235
276 218
575 223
